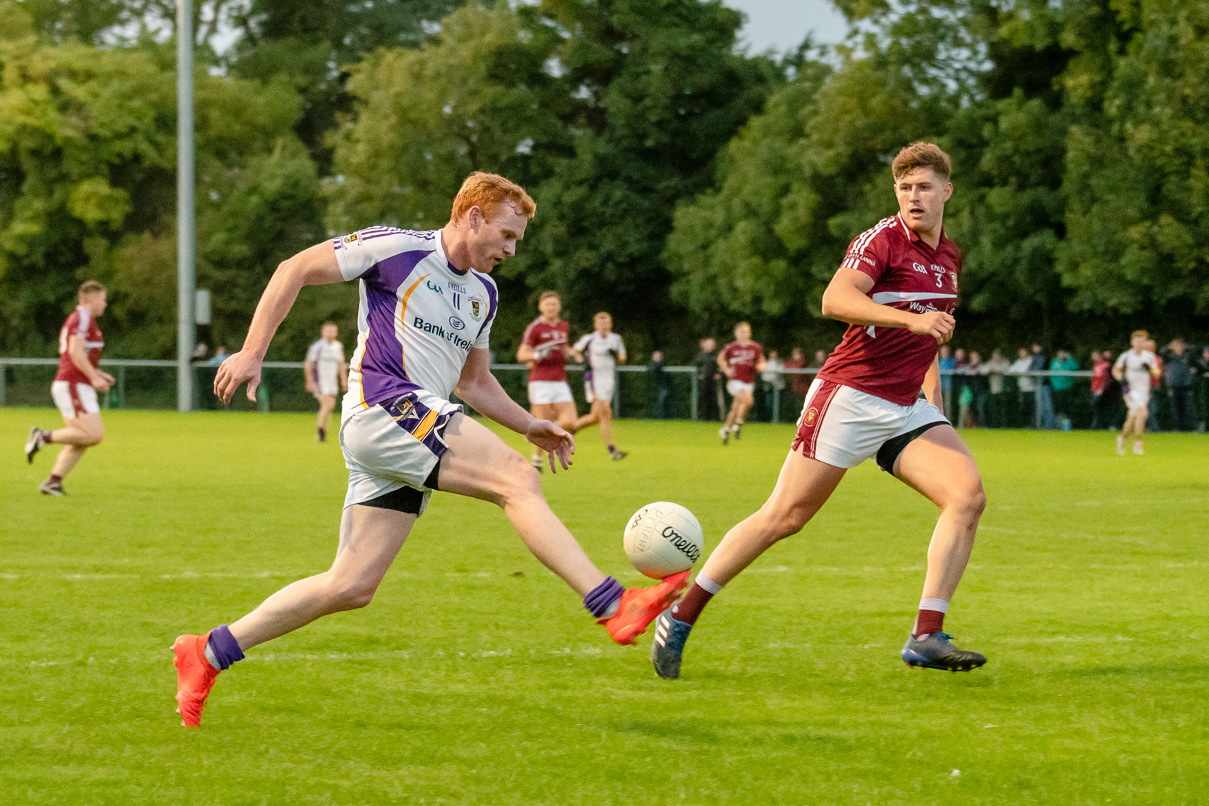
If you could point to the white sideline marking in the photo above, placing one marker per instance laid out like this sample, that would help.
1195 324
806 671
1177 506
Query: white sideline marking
164 659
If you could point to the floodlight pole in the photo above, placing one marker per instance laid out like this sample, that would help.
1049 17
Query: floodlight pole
186 279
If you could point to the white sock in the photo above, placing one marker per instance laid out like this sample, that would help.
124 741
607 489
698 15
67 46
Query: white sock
211 658
708 584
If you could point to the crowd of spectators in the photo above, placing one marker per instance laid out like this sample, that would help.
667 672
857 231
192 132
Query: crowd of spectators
1032 390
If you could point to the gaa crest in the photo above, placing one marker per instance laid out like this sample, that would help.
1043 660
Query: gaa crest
812 414
478 308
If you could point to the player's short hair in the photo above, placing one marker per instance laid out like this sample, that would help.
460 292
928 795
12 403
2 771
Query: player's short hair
487 192
602 313
1138 333
547 294
90 287
743 324
328 324
922 155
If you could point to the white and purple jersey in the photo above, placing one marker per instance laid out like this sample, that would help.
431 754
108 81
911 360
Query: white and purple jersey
601 353
326 360
419 317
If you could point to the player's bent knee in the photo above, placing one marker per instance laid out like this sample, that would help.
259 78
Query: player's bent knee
517 479
351 595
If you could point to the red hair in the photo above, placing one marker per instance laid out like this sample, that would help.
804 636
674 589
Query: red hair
487 192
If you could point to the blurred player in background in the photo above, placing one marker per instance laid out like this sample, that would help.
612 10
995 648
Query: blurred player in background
1135 368
896 289
602 350
325 369
741 360
544 349
75 388
424 322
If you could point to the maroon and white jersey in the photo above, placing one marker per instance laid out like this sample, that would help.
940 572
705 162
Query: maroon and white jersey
908 274
549 343
83 324
742 359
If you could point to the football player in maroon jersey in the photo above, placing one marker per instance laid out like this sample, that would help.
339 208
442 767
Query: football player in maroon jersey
896 289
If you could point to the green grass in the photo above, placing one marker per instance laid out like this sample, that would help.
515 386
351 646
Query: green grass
476 677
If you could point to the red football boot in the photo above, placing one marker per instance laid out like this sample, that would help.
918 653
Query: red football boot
640 606
194 677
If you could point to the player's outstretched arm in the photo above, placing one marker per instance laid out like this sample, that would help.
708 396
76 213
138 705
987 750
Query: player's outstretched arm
314 266
478 387
847 299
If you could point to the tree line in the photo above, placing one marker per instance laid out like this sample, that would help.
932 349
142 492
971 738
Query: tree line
682 184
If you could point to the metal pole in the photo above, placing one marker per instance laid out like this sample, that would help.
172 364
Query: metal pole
186 277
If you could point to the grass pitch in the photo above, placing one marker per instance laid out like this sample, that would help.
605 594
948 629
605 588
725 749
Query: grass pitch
476 677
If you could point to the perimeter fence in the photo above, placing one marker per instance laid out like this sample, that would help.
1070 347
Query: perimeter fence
1059 400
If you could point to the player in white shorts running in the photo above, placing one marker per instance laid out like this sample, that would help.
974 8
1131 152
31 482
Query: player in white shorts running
326 371
544 349
741 360
427 306
75 388
1135 368
896 289
602 350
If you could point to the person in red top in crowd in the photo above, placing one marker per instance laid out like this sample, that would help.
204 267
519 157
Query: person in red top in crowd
75 388
741 360
896 289
1101 372
544 348
799 384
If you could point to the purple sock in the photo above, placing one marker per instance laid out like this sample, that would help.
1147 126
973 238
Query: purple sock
603 596
225 647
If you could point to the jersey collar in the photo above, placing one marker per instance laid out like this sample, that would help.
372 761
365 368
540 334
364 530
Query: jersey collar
915 237
441 251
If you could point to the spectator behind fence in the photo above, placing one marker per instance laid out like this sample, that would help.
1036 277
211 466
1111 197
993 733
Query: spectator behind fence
708 392
1101 373
1201 367
946 363
657 387
799 384
976 380
1042 391
1063 385
772 383
994 370
1177 372
1026 398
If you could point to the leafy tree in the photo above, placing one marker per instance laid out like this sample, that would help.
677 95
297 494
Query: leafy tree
88 185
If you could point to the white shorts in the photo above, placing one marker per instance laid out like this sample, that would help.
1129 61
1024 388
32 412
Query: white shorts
843 427
74 399
1136 399
327 386
395 444
599 386
735 387
546 392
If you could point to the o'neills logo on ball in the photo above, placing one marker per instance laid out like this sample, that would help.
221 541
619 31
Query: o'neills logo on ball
812 414
681 542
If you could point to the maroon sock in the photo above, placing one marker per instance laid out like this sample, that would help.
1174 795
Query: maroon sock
55 479
690 607
46 436
928 622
